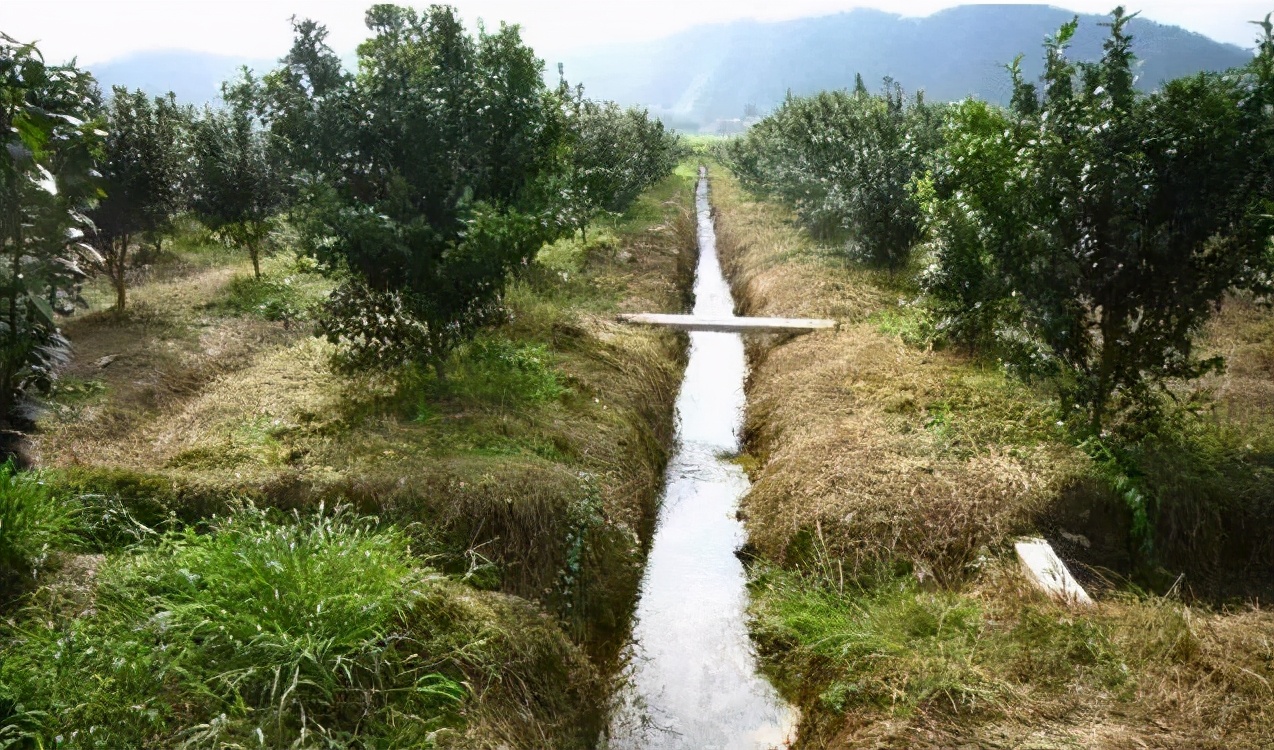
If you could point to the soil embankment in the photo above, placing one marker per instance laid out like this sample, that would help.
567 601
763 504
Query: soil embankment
888 482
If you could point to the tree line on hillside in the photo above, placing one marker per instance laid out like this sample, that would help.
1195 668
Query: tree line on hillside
1085 234
422 182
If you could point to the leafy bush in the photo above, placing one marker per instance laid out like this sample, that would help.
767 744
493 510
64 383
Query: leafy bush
1093 231
32 523
615 154
48 143
846 162
260 633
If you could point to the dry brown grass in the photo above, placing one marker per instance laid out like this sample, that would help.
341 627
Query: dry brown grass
165 350
1244 334
848 423
865 449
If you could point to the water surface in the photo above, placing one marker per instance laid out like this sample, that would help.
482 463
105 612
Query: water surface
692 680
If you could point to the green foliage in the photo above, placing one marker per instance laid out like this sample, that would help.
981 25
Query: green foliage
237 187
437 172
499 370
1091 232
846 162
289 290
884 643
260 633
306 104
431 177
144 164
495 371
615 154
1199 493
272 299
33 523
46 181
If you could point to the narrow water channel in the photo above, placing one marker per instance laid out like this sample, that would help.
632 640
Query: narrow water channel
691 678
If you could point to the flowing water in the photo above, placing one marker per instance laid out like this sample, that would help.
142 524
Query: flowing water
692 680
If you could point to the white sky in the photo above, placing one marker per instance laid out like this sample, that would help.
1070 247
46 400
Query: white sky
99 30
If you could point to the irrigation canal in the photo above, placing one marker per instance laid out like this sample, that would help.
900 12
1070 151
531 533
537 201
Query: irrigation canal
691 679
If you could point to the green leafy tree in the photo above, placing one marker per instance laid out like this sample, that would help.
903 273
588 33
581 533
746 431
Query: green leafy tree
237 187
143 163
846 161
46 182
1106 225
615 154
307 106
437 183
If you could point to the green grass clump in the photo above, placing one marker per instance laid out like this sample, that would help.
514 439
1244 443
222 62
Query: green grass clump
287 291
911 323
33 523
886 644
490 371
262 633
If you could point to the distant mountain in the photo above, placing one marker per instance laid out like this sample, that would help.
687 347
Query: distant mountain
195 77
708 76
699 78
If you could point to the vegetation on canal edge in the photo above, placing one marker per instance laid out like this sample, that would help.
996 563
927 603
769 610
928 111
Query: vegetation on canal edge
889 480
196 433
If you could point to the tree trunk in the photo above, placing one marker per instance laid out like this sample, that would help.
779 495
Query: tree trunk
121 296
440 369
117 275
256 259
7 384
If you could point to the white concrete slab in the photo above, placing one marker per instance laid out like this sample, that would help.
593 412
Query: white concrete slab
730 324
1046 570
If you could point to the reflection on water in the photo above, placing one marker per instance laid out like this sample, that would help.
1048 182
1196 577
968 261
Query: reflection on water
692 680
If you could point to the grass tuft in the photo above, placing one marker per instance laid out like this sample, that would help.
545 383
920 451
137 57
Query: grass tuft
263 632
33 524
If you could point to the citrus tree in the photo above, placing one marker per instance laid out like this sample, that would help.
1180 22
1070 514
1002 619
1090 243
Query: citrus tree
614 154
432 177
143 164
237 187
1101 226
846 161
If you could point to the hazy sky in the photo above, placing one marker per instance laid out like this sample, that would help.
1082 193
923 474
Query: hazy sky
97 30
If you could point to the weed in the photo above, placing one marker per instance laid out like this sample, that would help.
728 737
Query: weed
490 370
911 323
33 523
287 292
890 646
263 631
72 390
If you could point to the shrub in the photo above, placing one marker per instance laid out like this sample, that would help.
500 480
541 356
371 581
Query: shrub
846 161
